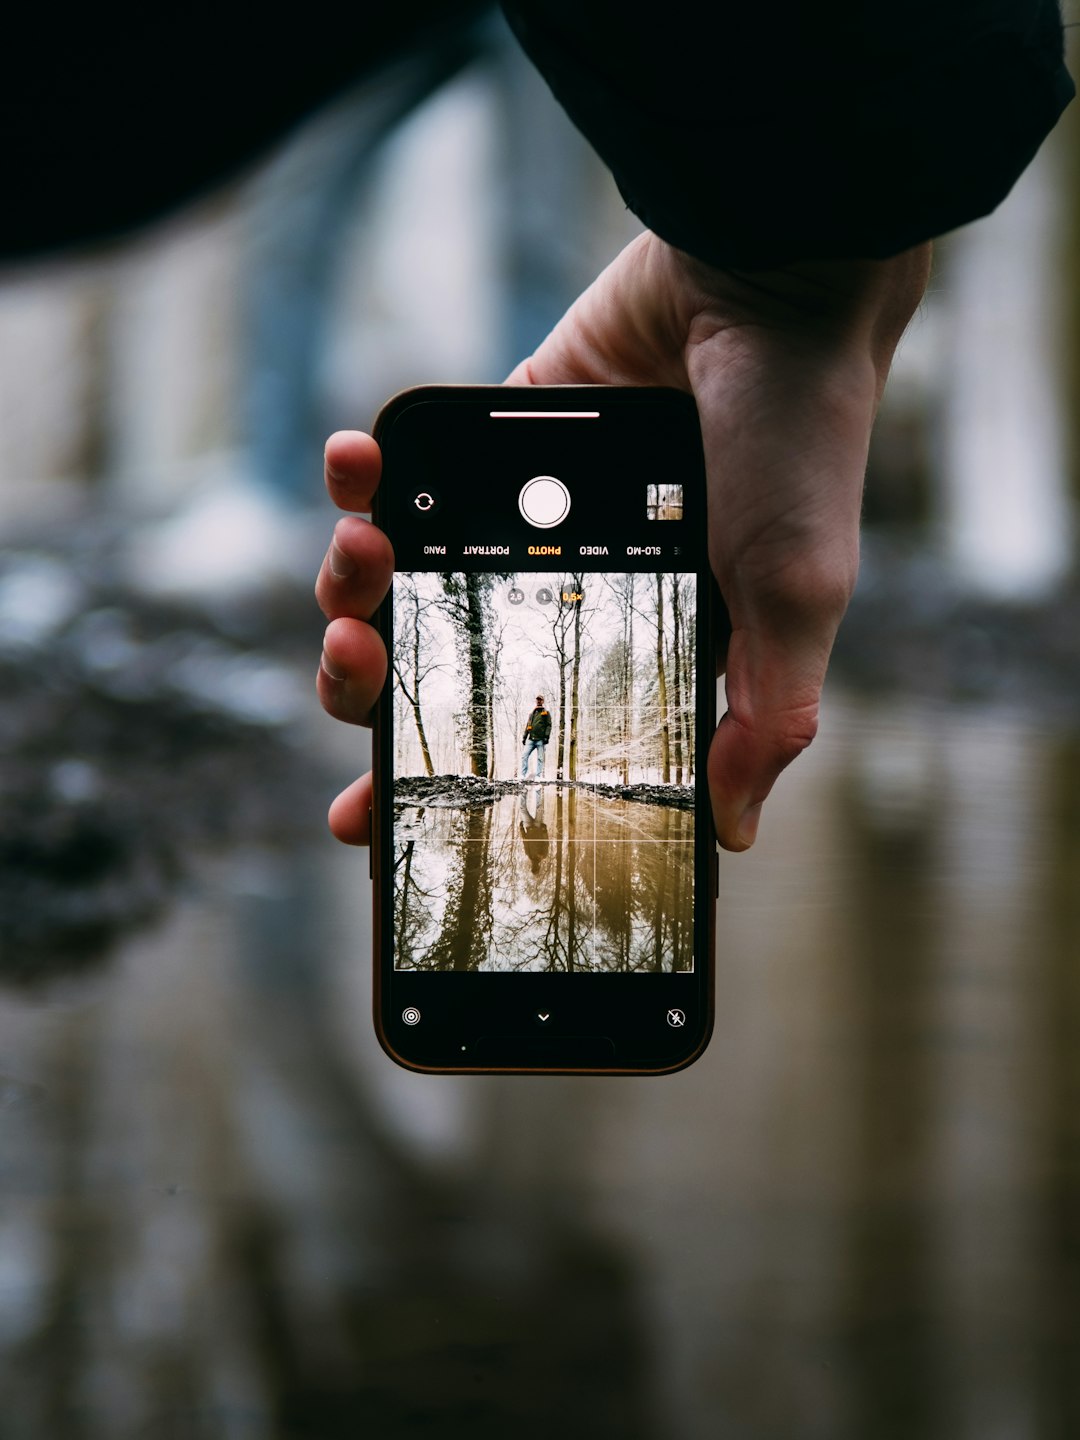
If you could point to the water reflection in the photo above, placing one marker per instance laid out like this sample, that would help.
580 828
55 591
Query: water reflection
544 877
535 836
227 1215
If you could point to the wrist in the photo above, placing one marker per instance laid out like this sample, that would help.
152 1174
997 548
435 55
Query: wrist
863 302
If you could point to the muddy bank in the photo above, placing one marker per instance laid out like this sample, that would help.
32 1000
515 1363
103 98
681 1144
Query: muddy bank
134 736
677 797
464 792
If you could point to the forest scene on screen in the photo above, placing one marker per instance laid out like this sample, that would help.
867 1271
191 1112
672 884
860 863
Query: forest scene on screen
544 771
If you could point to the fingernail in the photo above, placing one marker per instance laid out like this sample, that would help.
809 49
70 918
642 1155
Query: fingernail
746 834
331 469
341 565
334 671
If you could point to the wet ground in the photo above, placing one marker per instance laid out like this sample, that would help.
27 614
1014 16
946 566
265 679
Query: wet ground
226 1214
135 737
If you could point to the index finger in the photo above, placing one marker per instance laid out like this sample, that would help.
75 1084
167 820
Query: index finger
353 465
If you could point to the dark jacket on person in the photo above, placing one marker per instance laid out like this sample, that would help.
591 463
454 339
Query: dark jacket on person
538 726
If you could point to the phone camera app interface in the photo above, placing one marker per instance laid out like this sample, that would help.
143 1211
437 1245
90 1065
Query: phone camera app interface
538 780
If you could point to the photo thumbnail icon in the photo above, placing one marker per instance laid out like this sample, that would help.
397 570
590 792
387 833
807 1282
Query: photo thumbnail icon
663 502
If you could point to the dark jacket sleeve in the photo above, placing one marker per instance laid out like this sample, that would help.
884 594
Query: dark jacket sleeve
754 134
110 118
746 134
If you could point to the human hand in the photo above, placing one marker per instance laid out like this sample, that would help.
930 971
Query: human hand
354 577
787 369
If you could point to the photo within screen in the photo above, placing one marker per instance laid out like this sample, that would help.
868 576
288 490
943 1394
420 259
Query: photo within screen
543 792
664 502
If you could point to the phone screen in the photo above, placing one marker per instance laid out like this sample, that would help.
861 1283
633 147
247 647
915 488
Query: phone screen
543 848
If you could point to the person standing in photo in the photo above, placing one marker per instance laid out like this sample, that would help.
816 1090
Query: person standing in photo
537 734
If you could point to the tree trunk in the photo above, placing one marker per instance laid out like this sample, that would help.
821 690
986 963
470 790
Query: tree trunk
687 661
575 677
493 680
429 768
479 736
661 684
676 627
628 682
558 632
413 695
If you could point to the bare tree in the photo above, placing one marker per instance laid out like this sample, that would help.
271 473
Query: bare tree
616 677
628 677
560 626
686 661
412 661
676 675
578 605
466 601
661 684
495 647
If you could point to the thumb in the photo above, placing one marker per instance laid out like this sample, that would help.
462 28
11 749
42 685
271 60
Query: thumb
627 328
562 359
569 355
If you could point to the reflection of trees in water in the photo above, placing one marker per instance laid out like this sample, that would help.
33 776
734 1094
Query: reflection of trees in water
531 884
644 905
462 941
412 903
566 941
211 1232
538 927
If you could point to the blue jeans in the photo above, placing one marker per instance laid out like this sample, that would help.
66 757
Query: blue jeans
530 746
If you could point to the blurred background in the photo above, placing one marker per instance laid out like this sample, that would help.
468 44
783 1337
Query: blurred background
224 1214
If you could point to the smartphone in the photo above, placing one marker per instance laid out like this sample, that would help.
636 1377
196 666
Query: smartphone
543 856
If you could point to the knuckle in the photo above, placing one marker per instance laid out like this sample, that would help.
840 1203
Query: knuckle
811 595
797 579
782 737
794 735
778 737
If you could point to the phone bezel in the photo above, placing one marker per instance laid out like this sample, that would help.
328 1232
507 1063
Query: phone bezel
701 979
